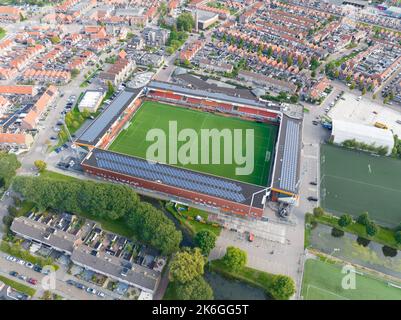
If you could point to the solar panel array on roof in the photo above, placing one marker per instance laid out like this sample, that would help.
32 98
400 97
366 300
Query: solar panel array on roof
170 175
212 95
288 176
107 116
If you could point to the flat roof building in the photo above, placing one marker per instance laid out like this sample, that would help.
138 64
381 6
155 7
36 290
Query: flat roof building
91 100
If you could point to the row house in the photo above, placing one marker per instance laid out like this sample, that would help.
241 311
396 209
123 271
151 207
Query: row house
10 14
18 139
8 73
47 76
190 50
117 72
18 90
26 57
31 119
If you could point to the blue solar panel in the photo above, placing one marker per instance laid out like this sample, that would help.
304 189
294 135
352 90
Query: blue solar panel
170 175
289 164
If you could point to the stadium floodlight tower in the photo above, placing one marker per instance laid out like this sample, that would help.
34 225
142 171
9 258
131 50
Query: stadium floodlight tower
267 193
70 138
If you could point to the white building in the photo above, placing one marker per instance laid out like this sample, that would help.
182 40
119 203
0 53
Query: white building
91 100
343 131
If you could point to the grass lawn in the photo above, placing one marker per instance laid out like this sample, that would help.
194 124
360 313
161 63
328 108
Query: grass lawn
2 33
18 286
322 281
251 276
118 226
187 218
132 140
57 176
26 207
354 182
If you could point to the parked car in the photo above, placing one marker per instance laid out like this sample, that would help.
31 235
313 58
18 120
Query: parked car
22 277
29 265
37 268
312 198
313 183
80 286
71 282
100 294
11 258
21 262
91 290
13 273
32 281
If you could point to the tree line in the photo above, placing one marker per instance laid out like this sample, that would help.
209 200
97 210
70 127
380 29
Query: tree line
102 200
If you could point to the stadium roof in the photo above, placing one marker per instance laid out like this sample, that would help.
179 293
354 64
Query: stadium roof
287 164
201 183
204 93
102 123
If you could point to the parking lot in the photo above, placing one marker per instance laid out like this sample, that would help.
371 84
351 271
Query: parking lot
65 286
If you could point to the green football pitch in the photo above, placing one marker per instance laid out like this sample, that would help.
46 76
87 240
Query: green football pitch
151 115
354 182
323 281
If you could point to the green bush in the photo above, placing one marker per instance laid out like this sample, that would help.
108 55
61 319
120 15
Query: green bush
318 212
389 252
371 229
363 219
283 287
363 241
337 232
345 220
397 237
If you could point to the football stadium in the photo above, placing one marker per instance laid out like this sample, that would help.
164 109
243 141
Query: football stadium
118 142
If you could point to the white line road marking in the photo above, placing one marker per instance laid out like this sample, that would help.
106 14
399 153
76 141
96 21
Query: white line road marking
370 169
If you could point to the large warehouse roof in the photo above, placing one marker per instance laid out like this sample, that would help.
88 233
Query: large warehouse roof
103 122
176 177
344 130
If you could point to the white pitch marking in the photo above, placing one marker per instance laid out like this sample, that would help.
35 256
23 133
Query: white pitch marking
370 169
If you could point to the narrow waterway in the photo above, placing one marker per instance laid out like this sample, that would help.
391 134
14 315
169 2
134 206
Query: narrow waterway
187 240
225 289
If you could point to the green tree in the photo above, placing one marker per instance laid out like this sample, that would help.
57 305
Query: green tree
74 72
235 259
318 212
187 265
185 22
40 165
371 228
283 287
206 241
363 219
397 237
8 167
55 39
195 289
345 220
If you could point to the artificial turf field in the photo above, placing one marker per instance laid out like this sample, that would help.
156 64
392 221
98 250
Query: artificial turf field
323 281
132 140
354 182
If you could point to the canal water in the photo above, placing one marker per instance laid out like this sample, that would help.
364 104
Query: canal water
225 289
